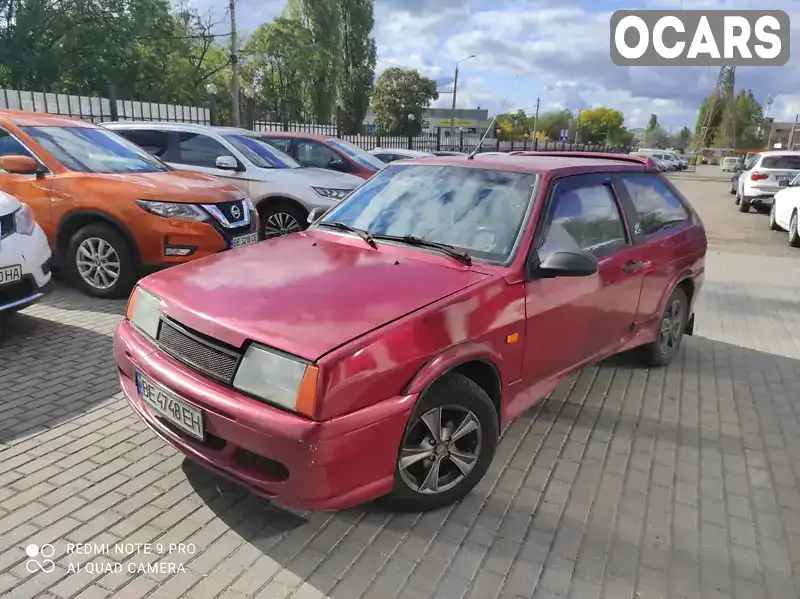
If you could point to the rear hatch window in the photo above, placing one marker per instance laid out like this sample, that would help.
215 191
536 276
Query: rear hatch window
781 162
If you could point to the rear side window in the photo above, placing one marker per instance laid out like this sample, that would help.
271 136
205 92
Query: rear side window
282 144
787 161
200 150
150 140
656 206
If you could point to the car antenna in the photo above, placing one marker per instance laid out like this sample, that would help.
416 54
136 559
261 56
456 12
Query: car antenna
491 123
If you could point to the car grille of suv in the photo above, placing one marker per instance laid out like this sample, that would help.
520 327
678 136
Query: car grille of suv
201 354
228 207
7 225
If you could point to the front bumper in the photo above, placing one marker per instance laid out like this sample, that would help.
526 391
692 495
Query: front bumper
32 252
326 465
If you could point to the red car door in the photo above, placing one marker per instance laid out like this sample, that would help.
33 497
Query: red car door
665 230
571 320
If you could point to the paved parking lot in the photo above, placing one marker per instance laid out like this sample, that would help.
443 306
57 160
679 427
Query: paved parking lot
675 483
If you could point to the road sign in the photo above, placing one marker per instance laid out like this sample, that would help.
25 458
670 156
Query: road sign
369 128
563 135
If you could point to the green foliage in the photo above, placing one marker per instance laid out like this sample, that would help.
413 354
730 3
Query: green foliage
600 126
398 100
551 123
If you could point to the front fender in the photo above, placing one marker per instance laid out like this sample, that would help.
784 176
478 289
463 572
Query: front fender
450 359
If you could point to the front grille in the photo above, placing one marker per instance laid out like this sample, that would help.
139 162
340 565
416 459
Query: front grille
228 209
196 351
7 225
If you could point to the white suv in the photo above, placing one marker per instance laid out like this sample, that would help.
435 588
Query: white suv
283 191
763 176
25 256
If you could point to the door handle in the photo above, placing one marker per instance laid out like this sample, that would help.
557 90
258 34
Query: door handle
633 266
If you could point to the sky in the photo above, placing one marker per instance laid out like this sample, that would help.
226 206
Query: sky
557 50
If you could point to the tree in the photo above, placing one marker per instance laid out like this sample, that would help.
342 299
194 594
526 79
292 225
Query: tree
355 79
655 136
552 122
512 126
600 125
741 124
398 100
684 139
702 114
653 122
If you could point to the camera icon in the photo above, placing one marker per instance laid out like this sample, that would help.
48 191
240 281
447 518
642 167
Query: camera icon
45 552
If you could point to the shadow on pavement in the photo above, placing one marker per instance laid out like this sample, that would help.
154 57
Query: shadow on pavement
623 478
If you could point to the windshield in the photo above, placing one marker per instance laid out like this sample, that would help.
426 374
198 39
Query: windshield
363 158
480 211
260 153
786 161
94 150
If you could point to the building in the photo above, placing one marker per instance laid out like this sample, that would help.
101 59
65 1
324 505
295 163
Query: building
468 120
781 133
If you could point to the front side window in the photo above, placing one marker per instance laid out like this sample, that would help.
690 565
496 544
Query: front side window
584 217
260 153
480 211
656 206
9 146
200 150
282 143
94 150
360 156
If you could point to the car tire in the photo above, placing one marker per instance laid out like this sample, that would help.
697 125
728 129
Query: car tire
773 224
676 312
744 204
101 237
280 218
452 396
794 234
732 189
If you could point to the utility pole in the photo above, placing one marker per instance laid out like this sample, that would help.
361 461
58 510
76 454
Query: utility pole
453 110
794 128
234 67
535 119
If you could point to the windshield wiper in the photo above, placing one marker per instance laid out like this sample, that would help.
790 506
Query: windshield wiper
345 227
462 257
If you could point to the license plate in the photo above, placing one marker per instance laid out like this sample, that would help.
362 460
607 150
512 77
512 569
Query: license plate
244 240
782 178
186 417
10 274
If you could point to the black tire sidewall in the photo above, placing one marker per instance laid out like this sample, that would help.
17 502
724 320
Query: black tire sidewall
267 209
127 276
772 221
450 389
794 237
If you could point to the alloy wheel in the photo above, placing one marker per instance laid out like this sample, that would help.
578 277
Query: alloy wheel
672 327
280 223
440 449
98 263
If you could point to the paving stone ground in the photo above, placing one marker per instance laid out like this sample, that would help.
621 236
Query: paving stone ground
674 483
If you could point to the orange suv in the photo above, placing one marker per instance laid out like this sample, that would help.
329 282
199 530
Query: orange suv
110 210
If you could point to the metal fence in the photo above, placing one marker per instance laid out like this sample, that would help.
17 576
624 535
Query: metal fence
101 109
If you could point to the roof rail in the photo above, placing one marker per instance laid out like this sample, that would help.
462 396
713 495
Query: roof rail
648 162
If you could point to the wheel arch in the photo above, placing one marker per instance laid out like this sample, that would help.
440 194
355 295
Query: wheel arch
73 221
264 201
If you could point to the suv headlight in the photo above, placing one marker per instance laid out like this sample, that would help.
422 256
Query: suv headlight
330 193
173 210
25 220
283 380
144 311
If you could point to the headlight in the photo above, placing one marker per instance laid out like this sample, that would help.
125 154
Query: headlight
332 194
25 220
279 379
144 312
249 204
171 210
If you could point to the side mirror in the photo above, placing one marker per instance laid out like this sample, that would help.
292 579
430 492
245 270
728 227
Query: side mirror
228 163
784 183
315 214
566 264
20 165
337 164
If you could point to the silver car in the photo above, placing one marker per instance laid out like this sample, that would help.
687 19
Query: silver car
283 191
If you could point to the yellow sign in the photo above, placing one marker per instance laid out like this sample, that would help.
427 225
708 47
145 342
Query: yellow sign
456 123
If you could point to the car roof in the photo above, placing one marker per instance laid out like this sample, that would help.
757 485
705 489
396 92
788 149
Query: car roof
23 118
170 126
780 153
297 134
556 163
402 151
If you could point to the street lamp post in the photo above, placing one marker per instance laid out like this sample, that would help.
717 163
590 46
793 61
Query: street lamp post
455 90
578 125
536 115
211 89
251 118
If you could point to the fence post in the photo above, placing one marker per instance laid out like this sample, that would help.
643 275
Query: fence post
410 143
212 110
461 141
112 100
438 138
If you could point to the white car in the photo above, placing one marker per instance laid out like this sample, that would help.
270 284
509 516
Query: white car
283 191
388 155
784 212
764 175
25 256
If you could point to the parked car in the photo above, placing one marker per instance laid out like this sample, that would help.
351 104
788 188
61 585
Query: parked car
457 294
110 210
670 160
282 190
328 152
762 177
730 163
388 155
448 153
735 180
784 212
25 256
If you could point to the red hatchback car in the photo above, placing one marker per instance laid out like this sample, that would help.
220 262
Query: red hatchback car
325 151
381 351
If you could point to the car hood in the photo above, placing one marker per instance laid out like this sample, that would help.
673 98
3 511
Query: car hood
171 186
8 203
319 177
301 293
